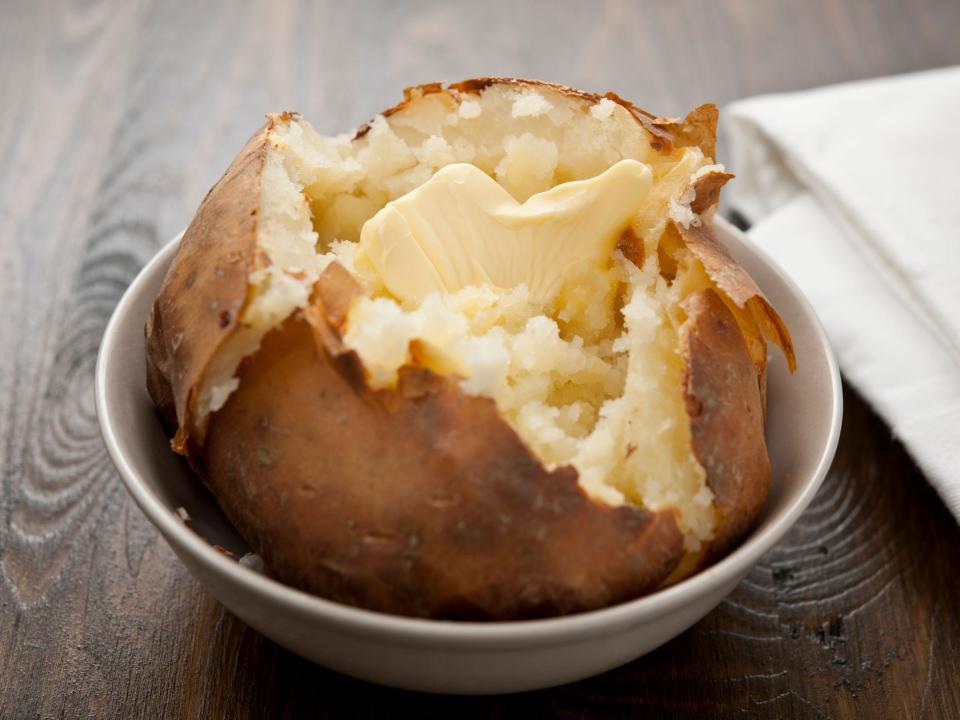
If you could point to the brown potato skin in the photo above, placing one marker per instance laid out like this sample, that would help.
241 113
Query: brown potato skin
204 291
738 286
420 501
725 407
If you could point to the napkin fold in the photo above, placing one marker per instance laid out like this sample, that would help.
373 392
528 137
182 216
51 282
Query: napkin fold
855 190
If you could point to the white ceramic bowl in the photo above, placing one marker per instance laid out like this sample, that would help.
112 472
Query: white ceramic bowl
458 657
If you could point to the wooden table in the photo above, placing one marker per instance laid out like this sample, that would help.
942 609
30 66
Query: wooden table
114 120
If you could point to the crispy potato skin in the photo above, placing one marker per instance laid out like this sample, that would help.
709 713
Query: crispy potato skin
204 291
723 402
420 501
706 190
738 286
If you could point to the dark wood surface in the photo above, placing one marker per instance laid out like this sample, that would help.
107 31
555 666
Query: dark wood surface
115 117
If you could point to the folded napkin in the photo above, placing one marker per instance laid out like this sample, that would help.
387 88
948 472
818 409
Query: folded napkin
855 191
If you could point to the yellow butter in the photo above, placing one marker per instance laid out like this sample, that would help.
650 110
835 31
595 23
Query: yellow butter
461 228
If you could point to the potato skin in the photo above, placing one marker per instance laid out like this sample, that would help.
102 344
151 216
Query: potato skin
738 286
204 292
417 501
422 501
724 403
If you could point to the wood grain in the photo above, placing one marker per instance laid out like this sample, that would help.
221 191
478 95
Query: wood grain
117 116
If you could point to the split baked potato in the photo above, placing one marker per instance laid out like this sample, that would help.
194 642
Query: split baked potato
482 359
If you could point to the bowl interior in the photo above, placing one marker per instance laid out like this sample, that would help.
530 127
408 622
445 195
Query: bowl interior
802 429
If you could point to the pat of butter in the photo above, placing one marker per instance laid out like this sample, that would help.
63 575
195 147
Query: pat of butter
462 228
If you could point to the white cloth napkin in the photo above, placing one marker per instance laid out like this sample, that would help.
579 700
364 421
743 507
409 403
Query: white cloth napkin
855 191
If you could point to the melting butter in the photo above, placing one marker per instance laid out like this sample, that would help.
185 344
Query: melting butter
462 228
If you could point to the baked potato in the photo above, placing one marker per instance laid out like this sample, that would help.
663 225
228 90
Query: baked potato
482 359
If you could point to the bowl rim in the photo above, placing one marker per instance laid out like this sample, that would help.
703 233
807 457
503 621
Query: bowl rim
477 635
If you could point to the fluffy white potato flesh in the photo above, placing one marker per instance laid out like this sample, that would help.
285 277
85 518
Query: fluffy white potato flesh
577 345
